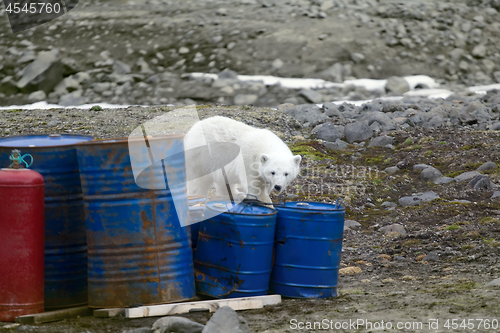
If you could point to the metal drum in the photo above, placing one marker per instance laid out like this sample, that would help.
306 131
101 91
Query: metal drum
307 249
65 235
138 252
235 250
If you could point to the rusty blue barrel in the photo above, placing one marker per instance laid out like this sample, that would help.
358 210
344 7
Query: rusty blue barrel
308 245
235 250
65 271
138 251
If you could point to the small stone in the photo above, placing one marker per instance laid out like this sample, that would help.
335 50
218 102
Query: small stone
337 145
277 64
429 174
397 85
226 320
331 110
398 228
37 96
391 170
227 74
177 325
139 330
357 131
121 68
443 180
487 166
479 51
312 96
480 182
381 141
349 224
416 200
74 98
183 50
466 176
327 131
389 204
496 196
245 99
357 57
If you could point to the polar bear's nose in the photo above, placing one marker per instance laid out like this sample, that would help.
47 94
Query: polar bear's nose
277 187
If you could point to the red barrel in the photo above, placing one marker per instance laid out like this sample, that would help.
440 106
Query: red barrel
21 243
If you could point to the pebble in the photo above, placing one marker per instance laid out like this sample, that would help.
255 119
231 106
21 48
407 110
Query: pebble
398 228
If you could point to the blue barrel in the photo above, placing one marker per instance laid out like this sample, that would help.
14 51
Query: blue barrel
138 252
307 249
65 234
235 250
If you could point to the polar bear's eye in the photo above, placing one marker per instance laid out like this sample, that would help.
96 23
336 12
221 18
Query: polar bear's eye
273 173
286 174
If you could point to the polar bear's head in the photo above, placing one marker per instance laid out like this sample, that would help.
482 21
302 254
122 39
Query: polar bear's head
279 170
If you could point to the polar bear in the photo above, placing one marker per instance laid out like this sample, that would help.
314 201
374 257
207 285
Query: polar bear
264 164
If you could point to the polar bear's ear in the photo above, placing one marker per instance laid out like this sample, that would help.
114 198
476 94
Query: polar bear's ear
264 158
297 159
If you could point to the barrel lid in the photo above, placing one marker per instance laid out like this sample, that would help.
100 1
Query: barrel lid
309 205
52 140
241 208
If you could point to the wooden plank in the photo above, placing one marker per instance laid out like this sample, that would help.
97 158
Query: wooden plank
108 313
243 303
45 317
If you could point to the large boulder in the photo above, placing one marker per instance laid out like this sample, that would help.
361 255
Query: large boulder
357 131
44 73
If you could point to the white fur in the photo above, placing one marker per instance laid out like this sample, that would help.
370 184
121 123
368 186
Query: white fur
262 154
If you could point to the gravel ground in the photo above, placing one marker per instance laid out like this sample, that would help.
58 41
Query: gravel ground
400 263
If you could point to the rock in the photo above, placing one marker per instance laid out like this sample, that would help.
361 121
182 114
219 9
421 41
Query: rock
245 99
144 66
44 73
466 176
172 324
420 167
397 85
357 131
8 86
429 174
487 166
121 68
416 200
357 57
307 113
327 131
480 182
100 87
398 228
226 320
479 51
391 170
285 107
494 283
389 204
434 122
337 145
443 180
431 256
67 85
228 74
349 224
72 99
381 141
311 96
183 50
37 96
277 64
495 127
460 201
496 196
334 73
331 110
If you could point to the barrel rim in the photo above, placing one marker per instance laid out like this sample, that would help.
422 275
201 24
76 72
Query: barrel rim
110 141
274 211
284 206
47 135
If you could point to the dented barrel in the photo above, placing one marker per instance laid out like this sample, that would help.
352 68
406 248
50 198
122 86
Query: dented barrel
65 269
196 209
235 250
138 252
307 249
